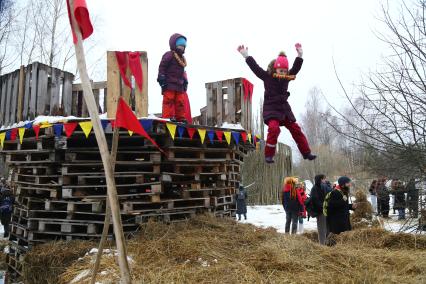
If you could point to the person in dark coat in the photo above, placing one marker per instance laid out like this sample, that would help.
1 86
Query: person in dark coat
173 80
373 195
6 208
398 190
383 198
318 192
337 207
276 109
413 198
241 198
292 203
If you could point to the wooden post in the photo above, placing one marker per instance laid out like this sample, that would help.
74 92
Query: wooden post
113 84
103 149
21 93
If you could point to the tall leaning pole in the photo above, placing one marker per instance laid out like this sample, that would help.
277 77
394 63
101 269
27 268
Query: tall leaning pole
103 149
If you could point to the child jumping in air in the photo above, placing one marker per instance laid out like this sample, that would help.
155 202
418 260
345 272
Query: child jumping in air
276 109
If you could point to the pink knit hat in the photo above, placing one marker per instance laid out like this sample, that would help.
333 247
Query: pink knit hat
281 61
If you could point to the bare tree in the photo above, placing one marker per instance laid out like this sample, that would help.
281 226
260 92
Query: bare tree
6 28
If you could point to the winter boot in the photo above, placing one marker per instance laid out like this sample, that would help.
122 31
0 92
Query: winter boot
269 160
309 157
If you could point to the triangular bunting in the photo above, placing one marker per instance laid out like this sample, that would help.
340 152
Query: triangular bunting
210 134
2 137
69 128
219 134
249 137
36 129
202 133
236 136
45 125
227 136
104 123
28 125
86 126
146 124
57 128
244 136
130 132
172 129
191 132
8 135
13 134
21 132
181 130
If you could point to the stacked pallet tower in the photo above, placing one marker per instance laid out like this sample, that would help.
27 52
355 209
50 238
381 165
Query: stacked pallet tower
61 189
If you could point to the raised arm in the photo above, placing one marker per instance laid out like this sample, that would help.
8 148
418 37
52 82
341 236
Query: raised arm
257 70
297 64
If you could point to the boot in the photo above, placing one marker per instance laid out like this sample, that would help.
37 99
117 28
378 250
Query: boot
309 157
269 160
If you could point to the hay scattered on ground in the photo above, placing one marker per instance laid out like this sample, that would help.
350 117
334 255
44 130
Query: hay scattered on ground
3 245
45 263
210 250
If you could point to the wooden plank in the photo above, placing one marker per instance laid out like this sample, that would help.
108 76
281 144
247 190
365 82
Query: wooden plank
8 99
95 85
42 97
209 90
96 94
231 101
3 99
26 102
125 90
113 84
21 93
74 103
219 103
55 104
14 98
141 98
33 96
67 93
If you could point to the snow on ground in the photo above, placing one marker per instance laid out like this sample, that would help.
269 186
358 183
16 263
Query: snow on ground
274 216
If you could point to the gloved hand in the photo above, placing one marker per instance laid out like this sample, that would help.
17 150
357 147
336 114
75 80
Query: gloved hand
243 50
162 81
299 50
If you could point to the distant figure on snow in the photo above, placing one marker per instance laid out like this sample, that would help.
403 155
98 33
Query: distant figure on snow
292 203
300 187
241 202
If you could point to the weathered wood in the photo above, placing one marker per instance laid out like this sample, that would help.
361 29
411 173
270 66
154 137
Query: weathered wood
74 103
34 87
219 102
67 94
42 96
8 99
125 90
209 96
26 102
141 97
54 91
96 94
95 85
14 98
113 84
231 101
3 99
21 93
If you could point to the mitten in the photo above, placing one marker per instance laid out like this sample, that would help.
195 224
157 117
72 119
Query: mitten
243 50
299 50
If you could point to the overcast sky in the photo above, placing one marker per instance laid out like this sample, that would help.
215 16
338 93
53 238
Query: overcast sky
214 29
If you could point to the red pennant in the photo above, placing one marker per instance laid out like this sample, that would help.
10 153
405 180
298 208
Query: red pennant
136 68
219 134
122 61
125 118
191 132
244 135
248 89
69 128
81 14
13 134
36 129
112 123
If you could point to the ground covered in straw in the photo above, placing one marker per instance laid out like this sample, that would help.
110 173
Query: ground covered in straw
210 250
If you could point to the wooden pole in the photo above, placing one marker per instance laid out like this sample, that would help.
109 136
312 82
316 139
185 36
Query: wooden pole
103 149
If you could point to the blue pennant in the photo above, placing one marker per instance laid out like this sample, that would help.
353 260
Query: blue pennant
211 135
8 135
105 123
146 124
28 125
58 129
236 136
181 130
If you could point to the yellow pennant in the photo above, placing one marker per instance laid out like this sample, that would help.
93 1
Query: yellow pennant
87 127
45 125
202 133
228 136
249 137
130 132
172 129
21 134
2 137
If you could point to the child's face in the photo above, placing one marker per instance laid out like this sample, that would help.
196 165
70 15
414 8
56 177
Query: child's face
281 71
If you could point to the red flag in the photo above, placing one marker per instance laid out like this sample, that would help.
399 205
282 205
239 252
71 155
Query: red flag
125 118
36 129
248 89
244 135
191 132
69 128
13 134
81 14
219 134
122 61
136 68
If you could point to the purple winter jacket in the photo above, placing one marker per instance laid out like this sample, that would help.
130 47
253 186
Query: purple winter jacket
275 104
170 70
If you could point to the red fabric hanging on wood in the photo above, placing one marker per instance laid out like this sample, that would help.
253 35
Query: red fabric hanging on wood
82 17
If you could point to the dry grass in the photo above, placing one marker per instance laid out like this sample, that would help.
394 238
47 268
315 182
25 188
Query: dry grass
3 244
210 250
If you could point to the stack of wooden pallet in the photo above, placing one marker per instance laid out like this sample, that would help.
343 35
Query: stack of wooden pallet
61 189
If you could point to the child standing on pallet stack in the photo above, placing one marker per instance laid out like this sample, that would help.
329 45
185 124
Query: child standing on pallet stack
174 81
276 109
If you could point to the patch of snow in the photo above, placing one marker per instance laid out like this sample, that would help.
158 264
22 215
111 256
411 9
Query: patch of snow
81 276
104 272
232 126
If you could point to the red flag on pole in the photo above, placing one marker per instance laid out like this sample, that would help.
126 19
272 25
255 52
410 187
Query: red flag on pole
125 118
82 17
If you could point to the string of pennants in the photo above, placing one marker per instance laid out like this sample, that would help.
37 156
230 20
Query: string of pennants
176 131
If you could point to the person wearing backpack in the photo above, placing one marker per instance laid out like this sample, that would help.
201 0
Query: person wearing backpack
315 206
337 206
241 203
6 208
292 202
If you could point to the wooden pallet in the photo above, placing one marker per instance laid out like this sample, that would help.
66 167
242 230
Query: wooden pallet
135 206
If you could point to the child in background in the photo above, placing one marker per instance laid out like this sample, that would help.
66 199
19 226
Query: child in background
276 109
292 202
300 187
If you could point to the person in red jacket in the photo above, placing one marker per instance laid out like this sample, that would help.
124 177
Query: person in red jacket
292 202
300 187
